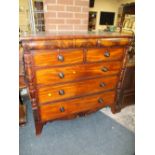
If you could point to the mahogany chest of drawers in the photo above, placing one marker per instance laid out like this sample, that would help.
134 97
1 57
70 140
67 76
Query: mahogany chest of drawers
70 75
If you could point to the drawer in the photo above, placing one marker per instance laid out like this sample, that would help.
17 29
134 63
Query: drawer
104 54
85 42
50 44
80 88
114 41
65 108
76 72
57 57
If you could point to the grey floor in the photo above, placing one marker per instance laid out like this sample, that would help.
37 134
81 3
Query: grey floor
95 134
126 117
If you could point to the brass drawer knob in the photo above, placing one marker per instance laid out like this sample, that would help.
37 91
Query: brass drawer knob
61 75
61 92
107 54
104 69
100 100
60 58
62 109
102 84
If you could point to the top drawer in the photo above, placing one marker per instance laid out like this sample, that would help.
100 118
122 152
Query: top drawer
57 57
113 41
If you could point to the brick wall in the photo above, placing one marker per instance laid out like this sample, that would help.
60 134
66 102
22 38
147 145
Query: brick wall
66 15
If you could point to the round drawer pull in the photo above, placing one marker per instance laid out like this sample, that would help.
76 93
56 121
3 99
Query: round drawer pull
100 100
102 84
61 92
62 109
104 69
60 58
61 75
107 54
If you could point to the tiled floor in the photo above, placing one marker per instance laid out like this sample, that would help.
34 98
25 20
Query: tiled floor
126 117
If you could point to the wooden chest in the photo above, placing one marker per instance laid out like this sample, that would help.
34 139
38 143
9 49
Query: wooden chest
71 75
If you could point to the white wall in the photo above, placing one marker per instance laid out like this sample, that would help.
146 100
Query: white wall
109 6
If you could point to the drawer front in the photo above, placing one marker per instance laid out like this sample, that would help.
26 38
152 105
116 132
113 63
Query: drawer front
57 57
114 41
70 90
64 108
75 72
50 44
104 54
85 42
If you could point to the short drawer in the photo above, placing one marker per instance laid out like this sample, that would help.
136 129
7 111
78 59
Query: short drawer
104 54
80 88
71 73
57 57
65 108
114 41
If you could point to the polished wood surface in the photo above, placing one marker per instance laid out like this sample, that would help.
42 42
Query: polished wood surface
114 42
104 54
74 74
80 88
64 108
51 57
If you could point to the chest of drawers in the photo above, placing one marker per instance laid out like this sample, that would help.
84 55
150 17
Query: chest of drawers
73 74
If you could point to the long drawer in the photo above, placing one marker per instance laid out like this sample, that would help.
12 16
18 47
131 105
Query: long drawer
70 90
70 73
65 108
57 57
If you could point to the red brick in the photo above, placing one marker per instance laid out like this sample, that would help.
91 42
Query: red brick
73 21
81 15
64 15
65 27
84 21
85 9
50 14
47 27
82 2
55 8
81 27
65 2
55 21
73 8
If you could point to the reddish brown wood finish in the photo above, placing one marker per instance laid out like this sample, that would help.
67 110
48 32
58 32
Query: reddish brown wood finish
54 111
89 79
80 88
50 57
76 72
104 54
114 42
86 42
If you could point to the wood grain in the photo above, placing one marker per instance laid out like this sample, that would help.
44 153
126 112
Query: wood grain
98 54
85 43
75 72
114 42
84 87
52 111
89 81
50 57
51 44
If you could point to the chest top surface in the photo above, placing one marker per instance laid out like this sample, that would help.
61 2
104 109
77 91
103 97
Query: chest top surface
72 35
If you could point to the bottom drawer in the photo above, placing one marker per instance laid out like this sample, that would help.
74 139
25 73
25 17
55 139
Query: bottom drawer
65 108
